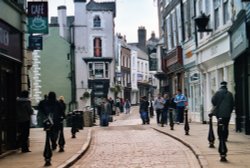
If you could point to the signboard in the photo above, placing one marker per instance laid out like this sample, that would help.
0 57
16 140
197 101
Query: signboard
35 42
10 41
38 17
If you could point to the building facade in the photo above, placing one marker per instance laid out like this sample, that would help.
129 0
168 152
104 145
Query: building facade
171 33
14 65
93 42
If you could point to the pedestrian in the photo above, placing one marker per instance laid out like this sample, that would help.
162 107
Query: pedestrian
164 119
54 111
223 102
180 100
172 108
24 111
127 106
121 105
111 102
151 107
159 105
144 110
117 105
40 114
105 112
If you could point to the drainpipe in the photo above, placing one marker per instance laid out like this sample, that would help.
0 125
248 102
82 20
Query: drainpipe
72 103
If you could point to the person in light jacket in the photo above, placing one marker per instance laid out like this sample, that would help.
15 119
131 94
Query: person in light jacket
180 100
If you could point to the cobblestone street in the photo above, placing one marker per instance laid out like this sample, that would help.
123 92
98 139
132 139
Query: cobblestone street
128 144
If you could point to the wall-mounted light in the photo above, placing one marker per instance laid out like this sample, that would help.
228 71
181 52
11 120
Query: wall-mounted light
202 22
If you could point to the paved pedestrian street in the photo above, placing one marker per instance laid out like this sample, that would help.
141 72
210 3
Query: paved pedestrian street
124 145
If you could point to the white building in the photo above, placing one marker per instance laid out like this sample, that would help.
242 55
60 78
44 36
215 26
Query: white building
94 48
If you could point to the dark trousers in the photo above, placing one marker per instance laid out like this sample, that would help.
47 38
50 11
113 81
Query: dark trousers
158 115
164 118
53 134
180 113
24 130
225 122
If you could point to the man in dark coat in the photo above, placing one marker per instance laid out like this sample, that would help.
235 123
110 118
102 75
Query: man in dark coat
24 111
224 102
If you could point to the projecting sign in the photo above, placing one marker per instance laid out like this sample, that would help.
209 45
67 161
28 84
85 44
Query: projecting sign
38 17
35 42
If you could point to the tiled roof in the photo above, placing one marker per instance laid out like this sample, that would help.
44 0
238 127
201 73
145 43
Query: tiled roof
102 6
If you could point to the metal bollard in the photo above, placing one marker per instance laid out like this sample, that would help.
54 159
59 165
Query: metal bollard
211 137
222 145
171 120
186 126
74 124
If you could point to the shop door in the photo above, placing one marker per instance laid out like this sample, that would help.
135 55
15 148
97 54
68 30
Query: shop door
6 94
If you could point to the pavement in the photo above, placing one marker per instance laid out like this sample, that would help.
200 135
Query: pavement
238 147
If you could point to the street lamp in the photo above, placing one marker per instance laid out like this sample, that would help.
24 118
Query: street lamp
202 22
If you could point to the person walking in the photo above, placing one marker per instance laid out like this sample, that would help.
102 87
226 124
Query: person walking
24 111
159 105
143 109
54 111
223 101
180 100
164 119
105 112
151 107
127 106
40 114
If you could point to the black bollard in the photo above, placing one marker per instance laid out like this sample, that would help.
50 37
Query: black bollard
61 141
74 125
222 145
171 120
211 137
186 126
47 153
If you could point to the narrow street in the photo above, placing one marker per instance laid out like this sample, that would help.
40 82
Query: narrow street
128 144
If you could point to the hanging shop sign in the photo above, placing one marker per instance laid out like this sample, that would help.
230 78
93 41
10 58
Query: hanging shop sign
38 17
35 42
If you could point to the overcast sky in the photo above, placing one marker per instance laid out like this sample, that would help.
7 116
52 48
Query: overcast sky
130 14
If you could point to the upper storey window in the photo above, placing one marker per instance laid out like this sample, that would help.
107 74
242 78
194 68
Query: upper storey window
97 21
97 47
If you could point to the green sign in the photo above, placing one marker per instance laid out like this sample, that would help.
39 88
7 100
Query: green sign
38 17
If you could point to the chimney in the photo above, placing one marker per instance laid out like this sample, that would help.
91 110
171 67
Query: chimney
62 21
142 37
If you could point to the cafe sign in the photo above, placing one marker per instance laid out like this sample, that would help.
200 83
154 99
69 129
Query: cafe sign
38 17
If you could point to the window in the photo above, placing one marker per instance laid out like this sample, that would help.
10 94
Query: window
225 11
97 47
97 21
98 69
174 28
216 14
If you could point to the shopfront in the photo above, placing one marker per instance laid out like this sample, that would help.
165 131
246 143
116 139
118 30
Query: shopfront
10 83
240 53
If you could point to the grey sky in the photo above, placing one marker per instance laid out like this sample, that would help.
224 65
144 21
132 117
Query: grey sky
130 15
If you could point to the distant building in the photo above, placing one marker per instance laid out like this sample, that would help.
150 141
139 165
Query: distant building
93 39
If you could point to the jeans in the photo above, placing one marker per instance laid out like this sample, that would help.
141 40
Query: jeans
180 113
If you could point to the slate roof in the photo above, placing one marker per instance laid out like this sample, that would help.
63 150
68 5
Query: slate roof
102 6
